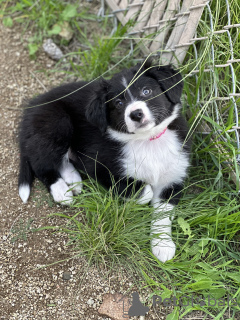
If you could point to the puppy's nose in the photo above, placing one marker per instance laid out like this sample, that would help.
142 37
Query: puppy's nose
137 115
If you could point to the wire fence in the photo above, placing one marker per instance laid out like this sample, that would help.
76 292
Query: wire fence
232 95
219 103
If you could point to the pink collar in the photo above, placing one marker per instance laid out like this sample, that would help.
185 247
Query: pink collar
159 135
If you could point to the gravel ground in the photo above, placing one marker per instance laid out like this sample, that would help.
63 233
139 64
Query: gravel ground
66 290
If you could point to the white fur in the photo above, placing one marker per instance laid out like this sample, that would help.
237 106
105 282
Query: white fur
24 192
60 192
147 132
132 126
162 247
146 196
160 163
71 176
124 82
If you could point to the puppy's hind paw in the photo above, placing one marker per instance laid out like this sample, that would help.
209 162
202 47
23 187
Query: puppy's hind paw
61 193
163 249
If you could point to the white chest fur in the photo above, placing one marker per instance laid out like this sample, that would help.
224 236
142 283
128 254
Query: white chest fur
160 162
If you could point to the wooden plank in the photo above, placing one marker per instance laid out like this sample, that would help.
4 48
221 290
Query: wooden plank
177 32
156 15
134 9
123 4
120 15
189 31
160 16
165 25
144 14
141 22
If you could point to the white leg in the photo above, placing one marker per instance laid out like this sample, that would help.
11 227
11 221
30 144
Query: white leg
71 176
60 192
163 247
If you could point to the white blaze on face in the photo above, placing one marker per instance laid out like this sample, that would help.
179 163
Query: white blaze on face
132 125
124 82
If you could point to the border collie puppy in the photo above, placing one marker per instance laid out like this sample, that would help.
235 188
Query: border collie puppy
129 129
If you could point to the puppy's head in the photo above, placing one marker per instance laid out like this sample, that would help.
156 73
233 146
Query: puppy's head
137 100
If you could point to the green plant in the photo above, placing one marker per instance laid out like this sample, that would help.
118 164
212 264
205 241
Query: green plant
41 195
105 228
20 230
208 216
108 231
111 232
206 94
44 18
101 55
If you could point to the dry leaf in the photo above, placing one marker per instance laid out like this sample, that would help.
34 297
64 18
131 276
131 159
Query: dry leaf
66 31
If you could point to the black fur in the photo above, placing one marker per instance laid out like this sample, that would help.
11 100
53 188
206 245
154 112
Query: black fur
170 81
74 119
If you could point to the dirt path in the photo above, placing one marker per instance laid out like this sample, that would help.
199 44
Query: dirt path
27 292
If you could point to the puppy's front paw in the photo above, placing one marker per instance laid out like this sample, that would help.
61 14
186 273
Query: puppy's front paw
76 188
163 249
146 195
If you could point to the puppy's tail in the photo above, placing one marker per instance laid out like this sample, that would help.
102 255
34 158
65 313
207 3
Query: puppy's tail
25 179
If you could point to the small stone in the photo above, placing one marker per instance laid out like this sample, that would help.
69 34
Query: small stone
90 302
52 50
66 275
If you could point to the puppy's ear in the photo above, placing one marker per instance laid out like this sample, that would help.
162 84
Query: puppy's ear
96 112
143 66
170 81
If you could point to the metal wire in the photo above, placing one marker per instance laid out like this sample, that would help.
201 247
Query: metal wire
232 95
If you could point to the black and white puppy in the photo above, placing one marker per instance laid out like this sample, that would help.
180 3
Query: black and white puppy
128 128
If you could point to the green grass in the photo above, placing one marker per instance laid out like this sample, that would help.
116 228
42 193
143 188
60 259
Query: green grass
42 196
219 147
45 18
108 226
101 55
115 233
21 229
206 228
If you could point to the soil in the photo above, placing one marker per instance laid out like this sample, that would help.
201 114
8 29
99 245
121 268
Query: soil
37 280
28 291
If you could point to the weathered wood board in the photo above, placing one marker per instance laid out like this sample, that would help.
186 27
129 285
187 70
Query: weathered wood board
164 27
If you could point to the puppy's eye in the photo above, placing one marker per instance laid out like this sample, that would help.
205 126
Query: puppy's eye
119 103
146 91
